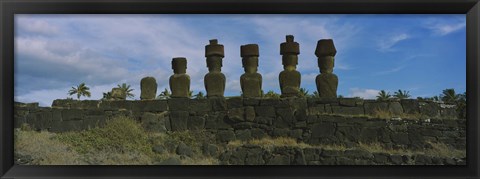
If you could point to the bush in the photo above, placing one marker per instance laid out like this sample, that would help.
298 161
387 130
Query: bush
120 134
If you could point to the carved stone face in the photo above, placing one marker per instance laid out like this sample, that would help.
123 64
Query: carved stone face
250 64
289 61
326 64
214 63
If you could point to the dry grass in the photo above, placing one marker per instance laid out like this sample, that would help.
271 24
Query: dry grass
379 114
44 150
270 143
121 142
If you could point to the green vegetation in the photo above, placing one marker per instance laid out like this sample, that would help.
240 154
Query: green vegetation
107 96
383 95
80 90
126 88
401 94
165 94
303 92
199 95
271 94
122 141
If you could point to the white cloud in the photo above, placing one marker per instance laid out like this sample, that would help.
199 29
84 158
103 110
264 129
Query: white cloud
363 93
386 43
442 27
38 27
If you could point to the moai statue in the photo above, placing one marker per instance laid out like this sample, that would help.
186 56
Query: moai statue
148 87
327 82
118 94
250 81
179 81
289 78
214 79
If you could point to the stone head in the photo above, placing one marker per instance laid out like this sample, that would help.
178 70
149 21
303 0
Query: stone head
179 65
326 64
249 54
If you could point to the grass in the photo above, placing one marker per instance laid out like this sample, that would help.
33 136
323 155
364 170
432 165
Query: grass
122 141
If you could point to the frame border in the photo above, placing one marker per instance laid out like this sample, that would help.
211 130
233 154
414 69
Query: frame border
9 8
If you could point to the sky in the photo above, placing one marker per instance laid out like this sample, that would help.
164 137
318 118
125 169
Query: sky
423 54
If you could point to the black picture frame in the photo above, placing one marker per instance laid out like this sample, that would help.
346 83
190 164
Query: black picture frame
8 8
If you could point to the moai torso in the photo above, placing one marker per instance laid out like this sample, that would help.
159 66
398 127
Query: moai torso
214 79
327 82
118 94
250 81
148 87
179 81
289 78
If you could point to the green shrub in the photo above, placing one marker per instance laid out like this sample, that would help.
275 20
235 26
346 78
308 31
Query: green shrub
120 134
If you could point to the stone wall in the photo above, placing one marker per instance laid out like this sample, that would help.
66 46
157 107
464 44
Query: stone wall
346 121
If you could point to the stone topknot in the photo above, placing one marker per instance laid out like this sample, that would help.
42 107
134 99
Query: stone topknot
179 61
289 47
214 49
325 47
249 50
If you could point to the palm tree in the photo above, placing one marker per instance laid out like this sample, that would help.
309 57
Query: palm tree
340 96
126 88
190 94
199 95
315 94
81 90
271 94
449 96
107 96
165 94
401 94
383 95
303 92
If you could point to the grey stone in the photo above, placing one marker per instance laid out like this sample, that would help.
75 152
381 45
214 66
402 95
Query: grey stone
395 108
285 118
183 149
196 123
148 87
178 120
179 104
236 114
149 106
210 150
323 130
371 108
316 110
254 157
72 114
279 160
118 94
350 102
171 161
200 105
249 113
430 109
218 104
265 111
258 133
410 106
243 134
234 102
225 135
348 110
158 149
400 138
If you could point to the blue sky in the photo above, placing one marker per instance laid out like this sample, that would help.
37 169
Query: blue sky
423 54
